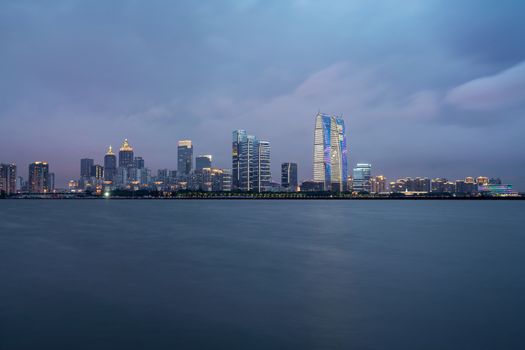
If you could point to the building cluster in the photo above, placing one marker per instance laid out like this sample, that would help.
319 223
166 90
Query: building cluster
250 171
126 171
364 182
39 180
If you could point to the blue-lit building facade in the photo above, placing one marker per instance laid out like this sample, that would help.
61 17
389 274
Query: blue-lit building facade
330 152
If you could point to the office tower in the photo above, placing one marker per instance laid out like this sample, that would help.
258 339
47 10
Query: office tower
263 174
85 167
378 184
51 182
20 184
163 175
110 165
361 177
38 177
125 155
289 176
330 153
250 163
184 157
8 179
97 171
238 138
202 162
138 162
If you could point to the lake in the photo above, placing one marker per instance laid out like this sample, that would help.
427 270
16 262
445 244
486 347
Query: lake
258 274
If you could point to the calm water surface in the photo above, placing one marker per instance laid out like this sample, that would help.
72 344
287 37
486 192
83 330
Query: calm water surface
262 274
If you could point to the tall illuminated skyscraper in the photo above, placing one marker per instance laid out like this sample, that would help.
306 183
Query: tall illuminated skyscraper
38 177
110 165
239 137
250 163
125 155
184 157
330 153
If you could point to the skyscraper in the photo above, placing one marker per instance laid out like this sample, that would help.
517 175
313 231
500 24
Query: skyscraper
125 155
7 178
289 176
110 165
85 167
50 182
203 161
184 157
361 177
263 174
38 177
378 184
97 171
138 162
250 162
330 153
239 137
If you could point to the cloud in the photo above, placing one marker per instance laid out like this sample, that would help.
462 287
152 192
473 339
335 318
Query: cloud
499 91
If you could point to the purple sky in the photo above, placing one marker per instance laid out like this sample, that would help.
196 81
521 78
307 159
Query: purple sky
427 88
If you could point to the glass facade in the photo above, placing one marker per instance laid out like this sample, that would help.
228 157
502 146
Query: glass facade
289 176
330 152
250 163
110 165
202 162
184 158
125 155
361 178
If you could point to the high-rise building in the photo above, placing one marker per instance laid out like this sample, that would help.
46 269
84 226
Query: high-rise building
110 165
378 184
85 167
250 163
361 177
184 157
97 171
330 153
203 161
125 155
263 174
138 162
38 177
239 137
7 179
289 176
51 182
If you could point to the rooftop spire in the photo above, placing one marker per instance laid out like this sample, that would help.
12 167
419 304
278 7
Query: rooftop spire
125 146
110 151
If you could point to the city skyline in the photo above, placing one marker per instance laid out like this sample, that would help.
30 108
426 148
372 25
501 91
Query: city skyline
425 89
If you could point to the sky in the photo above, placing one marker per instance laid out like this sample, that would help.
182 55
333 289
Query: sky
426 88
